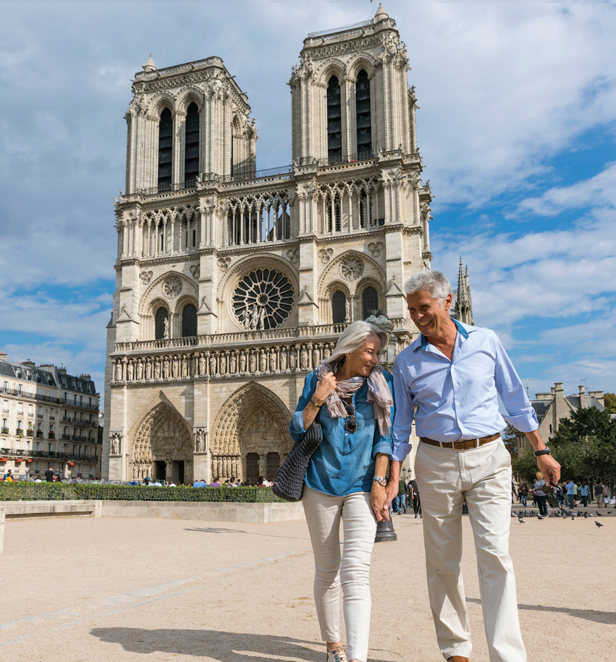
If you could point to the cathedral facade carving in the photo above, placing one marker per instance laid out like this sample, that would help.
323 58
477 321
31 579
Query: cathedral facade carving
232 284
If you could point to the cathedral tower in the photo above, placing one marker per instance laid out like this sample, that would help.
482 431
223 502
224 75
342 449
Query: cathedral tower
232 284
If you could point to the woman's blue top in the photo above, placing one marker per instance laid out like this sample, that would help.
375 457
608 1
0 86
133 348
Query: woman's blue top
343 463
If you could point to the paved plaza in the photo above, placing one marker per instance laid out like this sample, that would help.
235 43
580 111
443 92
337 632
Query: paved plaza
92 590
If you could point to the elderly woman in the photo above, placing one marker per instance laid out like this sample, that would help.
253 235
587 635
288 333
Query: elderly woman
351 397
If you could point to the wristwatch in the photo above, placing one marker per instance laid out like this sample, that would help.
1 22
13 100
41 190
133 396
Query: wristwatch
545 451
381 481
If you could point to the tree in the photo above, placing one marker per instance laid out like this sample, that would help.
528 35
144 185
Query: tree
525 466
510 440
585 445
610 402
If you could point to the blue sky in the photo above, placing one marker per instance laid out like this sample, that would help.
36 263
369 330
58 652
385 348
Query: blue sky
517 129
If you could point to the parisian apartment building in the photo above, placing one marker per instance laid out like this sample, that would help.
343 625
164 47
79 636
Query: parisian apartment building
49 419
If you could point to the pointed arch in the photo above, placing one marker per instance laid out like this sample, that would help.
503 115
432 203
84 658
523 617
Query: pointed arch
253 420
161 435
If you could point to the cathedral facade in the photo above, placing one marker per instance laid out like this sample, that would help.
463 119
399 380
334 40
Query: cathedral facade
232 284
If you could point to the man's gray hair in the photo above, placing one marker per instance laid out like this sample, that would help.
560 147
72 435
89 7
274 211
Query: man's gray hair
352 338
434 281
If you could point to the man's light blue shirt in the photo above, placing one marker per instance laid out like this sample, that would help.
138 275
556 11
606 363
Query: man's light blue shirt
457 399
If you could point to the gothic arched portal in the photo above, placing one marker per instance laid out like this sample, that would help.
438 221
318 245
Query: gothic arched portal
162 447
250 431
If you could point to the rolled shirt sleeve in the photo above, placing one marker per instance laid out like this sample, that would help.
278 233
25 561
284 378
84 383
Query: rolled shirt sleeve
403 420
512 392
296 426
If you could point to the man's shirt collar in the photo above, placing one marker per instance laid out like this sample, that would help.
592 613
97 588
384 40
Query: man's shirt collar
461 330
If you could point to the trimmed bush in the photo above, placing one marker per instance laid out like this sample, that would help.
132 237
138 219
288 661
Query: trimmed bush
65 491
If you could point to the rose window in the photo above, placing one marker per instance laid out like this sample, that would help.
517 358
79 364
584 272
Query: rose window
263 299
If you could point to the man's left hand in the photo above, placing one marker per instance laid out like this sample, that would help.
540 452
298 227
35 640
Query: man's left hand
550 469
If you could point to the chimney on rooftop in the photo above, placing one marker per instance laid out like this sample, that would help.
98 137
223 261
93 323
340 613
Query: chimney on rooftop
61 371
598 396
29 364
3 356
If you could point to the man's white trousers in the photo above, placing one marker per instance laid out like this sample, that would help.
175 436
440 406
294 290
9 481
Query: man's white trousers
482 476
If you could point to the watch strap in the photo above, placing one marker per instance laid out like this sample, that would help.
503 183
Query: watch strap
544 451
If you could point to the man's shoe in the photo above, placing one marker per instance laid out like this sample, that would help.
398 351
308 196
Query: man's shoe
457 658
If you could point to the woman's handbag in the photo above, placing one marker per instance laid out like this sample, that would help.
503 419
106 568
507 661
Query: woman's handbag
289 480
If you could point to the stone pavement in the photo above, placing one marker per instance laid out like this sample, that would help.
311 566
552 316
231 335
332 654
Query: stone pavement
86 589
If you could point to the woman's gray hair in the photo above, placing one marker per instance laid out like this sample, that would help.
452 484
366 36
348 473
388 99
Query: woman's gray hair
353 338
434 281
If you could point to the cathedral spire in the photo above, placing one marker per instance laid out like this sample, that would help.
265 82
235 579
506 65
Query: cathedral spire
462 306
381 14
149 65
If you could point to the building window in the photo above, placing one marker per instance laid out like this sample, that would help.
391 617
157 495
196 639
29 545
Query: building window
161 322
334 207
339 307
189 321
362 109
370 301
334 121
36 467
191 153
365 210
165 138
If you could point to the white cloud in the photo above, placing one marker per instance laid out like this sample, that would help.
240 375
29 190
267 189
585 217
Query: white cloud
597 191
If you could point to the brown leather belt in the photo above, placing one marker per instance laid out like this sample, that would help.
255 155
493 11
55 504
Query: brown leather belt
460 445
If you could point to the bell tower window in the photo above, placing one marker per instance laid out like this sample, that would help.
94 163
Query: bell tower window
370 301
338 307
191 152
362 109
334 121
189 321
165 132
161 323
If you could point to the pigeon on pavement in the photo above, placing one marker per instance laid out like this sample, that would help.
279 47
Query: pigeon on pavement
598 524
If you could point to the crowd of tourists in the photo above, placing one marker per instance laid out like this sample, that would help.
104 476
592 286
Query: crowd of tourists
569 493
232 482
408 497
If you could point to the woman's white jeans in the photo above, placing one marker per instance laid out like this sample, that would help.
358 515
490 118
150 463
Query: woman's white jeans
351 568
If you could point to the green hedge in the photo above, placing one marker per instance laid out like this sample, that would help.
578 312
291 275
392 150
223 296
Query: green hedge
64 491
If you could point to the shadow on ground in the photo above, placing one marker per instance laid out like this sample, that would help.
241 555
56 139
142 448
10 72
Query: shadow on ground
215 529
606 617
222 646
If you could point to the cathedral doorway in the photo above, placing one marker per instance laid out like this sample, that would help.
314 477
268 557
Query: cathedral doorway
252 468
273 464
161 470
251 435
162 446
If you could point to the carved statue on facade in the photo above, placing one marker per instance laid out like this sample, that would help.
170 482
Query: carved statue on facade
200 440
212 365
253 362
233 363
223 364
272 360
115 442
347 311
243 362
166 329
157 369
303 358
139 370
262 361
118 371
283 360
166 367
201 365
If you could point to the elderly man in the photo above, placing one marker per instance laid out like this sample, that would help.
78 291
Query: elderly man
449 379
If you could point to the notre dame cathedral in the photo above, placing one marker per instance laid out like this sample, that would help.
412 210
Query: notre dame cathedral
233 284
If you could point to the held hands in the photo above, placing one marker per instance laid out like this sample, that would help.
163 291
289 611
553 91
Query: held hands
381 498
325 387
378 498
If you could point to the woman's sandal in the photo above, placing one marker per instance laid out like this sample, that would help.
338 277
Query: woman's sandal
338 655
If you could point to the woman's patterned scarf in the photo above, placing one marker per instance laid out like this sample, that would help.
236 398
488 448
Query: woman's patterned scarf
378 394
